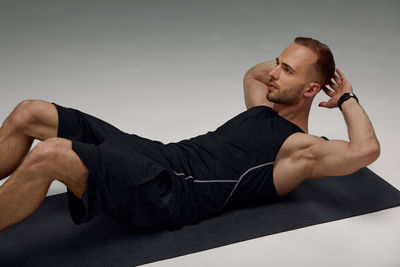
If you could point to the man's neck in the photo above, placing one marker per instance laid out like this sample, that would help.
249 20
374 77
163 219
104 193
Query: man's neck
297 114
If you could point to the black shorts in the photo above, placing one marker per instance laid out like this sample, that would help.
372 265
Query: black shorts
130 178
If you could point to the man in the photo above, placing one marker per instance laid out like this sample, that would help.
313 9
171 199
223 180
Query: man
260 155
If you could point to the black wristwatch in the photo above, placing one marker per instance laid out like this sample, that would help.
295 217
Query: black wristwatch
345 97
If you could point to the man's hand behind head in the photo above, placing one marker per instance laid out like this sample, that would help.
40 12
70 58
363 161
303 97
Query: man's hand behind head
341 86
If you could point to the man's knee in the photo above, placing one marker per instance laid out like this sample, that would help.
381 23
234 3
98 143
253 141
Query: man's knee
18 116
35 118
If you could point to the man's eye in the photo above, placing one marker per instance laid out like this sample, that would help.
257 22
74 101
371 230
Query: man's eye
288 70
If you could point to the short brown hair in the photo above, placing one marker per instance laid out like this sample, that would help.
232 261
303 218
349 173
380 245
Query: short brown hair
325 64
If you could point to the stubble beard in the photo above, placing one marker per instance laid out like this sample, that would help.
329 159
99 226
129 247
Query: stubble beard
284 97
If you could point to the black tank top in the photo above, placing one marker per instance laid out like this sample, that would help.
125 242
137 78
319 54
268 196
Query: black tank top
232 165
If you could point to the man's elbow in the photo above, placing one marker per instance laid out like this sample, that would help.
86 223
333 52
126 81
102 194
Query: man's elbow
372 152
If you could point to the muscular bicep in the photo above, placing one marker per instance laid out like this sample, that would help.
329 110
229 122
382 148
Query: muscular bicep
335 158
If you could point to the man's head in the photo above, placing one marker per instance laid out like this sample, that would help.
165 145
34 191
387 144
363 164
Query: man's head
302 69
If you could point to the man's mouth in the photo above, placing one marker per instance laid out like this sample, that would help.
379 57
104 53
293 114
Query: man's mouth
270 85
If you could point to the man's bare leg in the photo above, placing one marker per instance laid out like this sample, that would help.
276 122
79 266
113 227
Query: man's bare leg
52 159
31 119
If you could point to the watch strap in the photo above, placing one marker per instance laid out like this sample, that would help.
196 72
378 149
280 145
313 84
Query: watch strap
345 97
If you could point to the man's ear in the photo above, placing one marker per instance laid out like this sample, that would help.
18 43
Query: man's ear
312 89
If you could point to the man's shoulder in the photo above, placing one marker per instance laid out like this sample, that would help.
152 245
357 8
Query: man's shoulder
300 141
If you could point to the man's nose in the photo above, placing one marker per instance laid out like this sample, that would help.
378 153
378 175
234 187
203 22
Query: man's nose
274 73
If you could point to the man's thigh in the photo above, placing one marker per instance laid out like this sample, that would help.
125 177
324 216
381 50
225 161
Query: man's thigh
61 162
77 125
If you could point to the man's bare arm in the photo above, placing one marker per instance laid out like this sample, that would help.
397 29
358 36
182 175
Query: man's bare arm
254 84
336 157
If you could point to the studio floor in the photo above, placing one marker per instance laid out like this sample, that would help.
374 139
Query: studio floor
170 70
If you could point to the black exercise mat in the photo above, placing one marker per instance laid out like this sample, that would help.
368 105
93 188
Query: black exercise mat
50 238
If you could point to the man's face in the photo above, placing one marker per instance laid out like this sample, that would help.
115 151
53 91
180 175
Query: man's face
294 70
